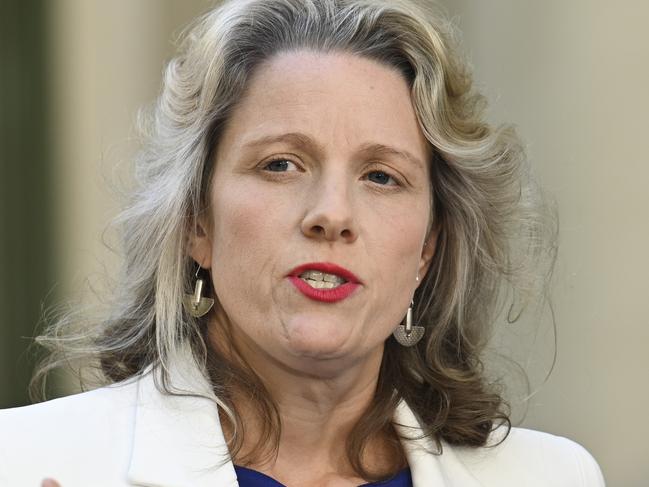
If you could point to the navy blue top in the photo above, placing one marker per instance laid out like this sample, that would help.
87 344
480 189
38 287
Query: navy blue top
251 478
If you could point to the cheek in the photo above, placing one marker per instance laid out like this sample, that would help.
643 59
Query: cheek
395 251
243 224
231 235
247 239
397 238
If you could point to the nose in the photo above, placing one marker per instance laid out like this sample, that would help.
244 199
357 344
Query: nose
330 213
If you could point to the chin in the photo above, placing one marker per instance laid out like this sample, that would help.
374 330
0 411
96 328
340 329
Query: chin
315 339
316 361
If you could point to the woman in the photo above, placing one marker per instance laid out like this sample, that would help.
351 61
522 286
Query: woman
313 258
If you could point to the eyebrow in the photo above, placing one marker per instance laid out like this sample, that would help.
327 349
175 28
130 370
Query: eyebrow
303 140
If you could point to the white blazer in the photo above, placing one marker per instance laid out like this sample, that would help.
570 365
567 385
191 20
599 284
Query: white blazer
130 434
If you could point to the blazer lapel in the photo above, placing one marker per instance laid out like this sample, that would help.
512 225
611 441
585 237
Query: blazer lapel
427 467
178 441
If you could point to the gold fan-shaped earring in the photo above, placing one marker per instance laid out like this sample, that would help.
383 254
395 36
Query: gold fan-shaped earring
408 334
195 304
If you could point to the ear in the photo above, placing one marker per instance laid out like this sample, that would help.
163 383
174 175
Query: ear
200 244
428 251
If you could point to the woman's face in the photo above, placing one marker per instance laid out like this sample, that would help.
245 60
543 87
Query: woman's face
323 161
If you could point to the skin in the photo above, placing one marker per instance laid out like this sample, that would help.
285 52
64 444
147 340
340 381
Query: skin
324 201
327 201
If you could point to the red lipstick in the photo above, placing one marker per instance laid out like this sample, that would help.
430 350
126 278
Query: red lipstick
325 295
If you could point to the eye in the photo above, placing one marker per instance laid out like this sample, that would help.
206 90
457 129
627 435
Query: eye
382 178
280 165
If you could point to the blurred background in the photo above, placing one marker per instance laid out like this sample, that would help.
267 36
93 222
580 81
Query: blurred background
572 76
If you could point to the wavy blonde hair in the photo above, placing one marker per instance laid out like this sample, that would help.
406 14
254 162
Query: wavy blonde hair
493 226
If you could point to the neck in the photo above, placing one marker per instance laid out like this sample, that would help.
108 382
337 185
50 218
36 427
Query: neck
317 408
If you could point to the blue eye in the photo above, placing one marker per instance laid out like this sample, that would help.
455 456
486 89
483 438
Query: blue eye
279 165
380 177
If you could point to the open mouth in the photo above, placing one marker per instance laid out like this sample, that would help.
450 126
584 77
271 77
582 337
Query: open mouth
322 280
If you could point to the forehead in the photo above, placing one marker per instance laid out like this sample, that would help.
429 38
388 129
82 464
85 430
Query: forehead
341 99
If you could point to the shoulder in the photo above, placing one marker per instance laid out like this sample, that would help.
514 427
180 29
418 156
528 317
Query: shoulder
75 411
540 458
522 457
55 433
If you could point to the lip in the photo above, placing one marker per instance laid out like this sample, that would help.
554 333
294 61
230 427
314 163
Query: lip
327 267
325 295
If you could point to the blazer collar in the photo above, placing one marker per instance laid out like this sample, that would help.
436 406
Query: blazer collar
427 466
178 440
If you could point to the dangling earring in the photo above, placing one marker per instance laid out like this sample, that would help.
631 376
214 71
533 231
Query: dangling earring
195 304
408 334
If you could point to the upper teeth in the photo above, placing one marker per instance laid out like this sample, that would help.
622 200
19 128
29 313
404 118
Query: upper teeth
322 279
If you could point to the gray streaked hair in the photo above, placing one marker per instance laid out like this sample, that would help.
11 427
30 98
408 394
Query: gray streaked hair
494 228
